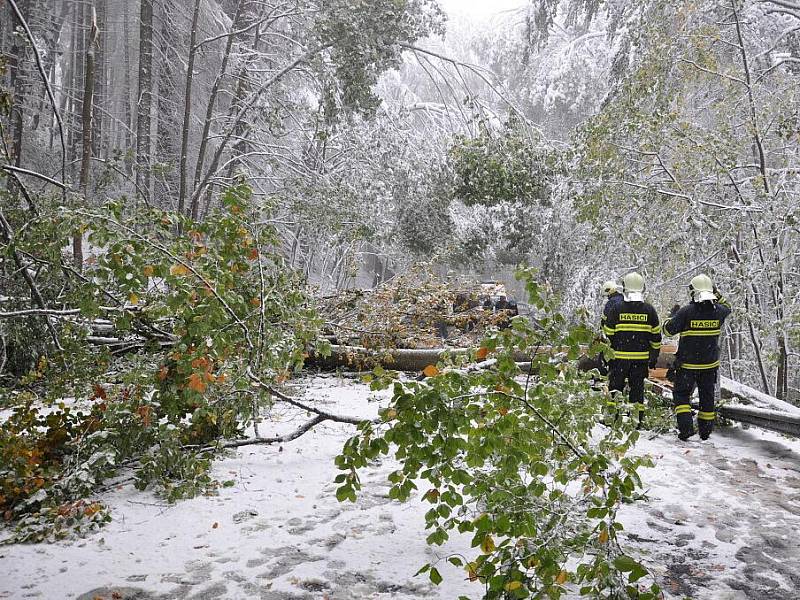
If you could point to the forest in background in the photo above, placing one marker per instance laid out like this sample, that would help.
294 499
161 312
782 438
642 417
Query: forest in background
584 138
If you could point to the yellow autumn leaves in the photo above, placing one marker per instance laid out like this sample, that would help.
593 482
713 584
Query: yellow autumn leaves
178 270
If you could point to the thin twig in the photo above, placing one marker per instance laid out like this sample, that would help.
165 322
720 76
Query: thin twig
56 183
305 428
50 95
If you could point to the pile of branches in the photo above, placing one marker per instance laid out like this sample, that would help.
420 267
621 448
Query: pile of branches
416 310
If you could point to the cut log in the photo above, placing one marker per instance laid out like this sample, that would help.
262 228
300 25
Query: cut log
398 359
407 359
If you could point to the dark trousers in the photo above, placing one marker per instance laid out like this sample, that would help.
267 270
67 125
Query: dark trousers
685 382
632 371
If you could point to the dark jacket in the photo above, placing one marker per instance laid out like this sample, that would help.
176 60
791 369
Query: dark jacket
699 325
613 300
634 330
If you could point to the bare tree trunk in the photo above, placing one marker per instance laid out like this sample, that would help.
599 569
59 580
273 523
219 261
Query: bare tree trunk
66 79
187 109
166 73
57 24
241 129
145 98
212 100
16 67
86 124
127 100
78 58
100 83
751 329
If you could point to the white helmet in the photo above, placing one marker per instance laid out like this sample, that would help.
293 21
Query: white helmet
633 287
701 288
610 287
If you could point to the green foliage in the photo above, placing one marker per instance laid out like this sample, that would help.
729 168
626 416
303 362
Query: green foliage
364 38
424 224
514 462
26 339
219 318
179 472
505 166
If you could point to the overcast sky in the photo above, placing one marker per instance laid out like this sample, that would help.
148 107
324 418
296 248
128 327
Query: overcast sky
479 8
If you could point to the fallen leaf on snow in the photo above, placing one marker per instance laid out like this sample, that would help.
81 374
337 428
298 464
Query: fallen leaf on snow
430 371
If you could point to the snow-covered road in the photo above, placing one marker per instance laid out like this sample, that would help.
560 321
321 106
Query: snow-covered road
723 517
721 523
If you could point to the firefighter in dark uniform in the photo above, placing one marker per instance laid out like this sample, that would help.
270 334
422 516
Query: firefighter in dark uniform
613 297
632 327
611 291
699 324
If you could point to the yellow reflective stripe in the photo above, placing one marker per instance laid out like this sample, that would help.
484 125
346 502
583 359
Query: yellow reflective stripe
706 416
656 329
704 332
695 366
621 354
632 327
682 408
608 330
655 345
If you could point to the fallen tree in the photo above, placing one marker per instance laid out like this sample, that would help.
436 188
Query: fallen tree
223 327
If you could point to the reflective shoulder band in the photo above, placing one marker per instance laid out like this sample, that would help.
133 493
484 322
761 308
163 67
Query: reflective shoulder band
700 332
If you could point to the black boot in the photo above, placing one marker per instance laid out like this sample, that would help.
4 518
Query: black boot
705 423
685 424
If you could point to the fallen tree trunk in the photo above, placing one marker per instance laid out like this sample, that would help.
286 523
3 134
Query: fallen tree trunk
416 359
398 359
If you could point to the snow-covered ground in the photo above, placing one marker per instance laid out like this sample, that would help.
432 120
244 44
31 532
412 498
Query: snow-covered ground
721 523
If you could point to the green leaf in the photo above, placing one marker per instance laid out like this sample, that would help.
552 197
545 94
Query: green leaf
625 563
637 573
343 493
436 578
